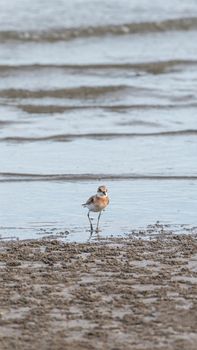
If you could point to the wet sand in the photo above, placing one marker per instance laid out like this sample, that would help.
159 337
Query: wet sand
119 293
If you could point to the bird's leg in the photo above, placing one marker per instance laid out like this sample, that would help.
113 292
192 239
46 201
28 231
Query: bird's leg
97 226
91 226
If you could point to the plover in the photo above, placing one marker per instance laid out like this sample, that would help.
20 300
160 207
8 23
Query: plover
97 203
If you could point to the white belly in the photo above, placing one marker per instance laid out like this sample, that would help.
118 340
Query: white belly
92 207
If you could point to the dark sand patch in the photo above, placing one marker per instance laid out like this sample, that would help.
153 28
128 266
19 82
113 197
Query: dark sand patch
123 294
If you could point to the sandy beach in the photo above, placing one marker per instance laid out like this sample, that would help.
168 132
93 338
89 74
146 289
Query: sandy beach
100 92
133 293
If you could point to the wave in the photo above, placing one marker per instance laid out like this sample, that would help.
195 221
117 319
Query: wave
65 34
81 92
78 92
155 67
53 109
96 136
17 177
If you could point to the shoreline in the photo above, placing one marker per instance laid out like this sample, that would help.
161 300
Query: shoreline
123 292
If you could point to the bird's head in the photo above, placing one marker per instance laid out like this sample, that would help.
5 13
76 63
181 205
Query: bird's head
102 191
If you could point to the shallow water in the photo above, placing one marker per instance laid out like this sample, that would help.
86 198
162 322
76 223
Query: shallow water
54 209
106 94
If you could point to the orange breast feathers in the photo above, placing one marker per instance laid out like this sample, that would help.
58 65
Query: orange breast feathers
101 202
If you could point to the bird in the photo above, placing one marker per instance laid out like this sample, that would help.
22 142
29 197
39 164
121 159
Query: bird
97 203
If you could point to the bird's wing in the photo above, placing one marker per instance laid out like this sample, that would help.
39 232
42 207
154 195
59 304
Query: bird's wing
89 201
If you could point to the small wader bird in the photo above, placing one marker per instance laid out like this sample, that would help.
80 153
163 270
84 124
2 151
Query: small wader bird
97 203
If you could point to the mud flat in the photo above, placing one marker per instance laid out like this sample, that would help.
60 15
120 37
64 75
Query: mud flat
132 293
